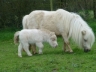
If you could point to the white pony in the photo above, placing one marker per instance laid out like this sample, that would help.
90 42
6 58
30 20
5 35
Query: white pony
64 23
34 36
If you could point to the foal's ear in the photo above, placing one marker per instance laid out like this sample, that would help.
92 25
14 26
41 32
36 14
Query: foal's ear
52 33
83 32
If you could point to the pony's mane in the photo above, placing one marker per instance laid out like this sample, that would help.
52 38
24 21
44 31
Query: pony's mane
76 26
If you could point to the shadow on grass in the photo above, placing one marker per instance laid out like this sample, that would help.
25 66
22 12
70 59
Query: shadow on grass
76 51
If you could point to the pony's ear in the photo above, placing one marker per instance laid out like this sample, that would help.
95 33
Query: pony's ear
83 32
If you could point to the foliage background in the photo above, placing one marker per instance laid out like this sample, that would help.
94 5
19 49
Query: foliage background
12 11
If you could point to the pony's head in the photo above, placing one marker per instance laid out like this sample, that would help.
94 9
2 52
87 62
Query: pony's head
81 33
88 39
53 40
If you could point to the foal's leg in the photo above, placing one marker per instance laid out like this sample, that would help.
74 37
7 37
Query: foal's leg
40 46
26 48
20 50
66 43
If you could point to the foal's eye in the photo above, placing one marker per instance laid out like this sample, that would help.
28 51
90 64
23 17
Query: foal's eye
53 39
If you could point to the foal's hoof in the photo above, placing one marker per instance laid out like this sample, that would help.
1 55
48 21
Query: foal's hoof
40 52
19 56
29 54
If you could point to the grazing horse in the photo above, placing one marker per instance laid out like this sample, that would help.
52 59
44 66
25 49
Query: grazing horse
64 23
34 36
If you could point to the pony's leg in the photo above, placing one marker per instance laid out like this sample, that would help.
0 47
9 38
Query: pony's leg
69 48
33 47
64 48
40 46
19 50
66 43
26 48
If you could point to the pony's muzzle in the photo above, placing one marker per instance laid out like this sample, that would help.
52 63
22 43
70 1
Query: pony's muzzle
55 46
86 50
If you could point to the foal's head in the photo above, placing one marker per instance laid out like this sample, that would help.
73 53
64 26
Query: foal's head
53 40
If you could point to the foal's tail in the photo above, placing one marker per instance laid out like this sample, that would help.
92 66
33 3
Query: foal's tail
16 37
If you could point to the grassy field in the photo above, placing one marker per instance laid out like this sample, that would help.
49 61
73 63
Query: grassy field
52 59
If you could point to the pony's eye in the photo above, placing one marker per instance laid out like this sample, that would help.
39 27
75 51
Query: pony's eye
85 40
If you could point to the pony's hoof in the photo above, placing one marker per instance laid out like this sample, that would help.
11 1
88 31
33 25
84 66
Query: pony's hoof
71 52
66 50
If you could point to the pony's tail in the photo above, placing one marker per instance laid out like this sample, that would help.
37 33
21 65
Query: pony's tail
16 37
24 22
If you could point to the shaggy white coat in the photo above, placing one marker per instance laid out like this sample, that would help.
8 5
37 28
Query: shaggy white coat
34 36
62 22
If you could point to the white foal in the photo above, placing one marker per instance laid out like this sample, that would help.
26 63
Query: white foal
34 36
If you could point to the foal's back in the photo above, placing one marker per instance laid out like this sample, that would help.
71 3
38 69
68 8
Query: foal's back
30 35
29 31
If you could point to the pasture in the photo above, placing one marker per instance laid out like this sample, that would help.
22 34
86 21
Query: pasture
52 59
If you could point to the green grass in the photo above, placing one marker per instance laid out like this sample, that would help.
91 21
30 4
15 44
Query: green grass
52 59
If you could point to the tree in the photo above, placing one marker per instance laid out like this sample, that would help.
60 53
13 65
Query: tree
51 4
94 8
